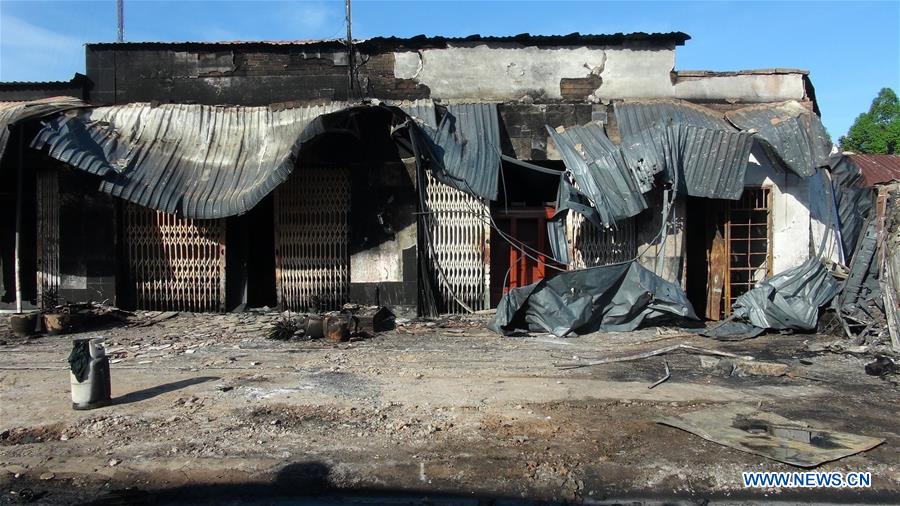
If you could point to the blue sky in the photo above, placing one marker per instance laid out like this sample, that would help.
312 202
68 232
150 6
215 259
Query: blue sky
851 48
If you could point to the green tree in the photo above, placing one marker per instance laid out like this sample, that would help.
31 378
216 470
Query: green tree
878 130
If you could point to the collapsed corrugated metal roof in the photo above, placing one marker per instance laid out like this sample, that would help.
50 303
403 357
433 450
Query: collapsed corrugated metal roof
688 142
877 169
600 172
420 110
465 150
854 200
15 112
710 163
642 129
194 160
790 132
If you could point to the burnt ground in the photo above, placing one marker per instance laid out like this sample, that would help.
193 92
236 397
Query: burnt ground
209 410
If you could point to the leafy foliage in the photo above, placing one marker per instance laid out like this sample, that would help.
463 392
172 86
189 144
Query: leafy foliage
878 130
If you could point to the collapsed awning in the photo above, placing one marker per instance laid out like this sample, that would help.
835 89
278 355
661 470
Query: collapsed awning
197 161
790 133
691 144
610 298
600 172
12 113
464 149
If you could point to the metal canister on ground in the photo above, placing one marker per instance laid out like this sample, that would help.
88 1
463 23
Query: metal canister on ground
89 374
337 328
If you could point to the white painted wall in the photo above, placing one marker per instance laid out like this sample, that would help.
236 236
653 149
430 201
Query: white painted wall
509 72
790 209
742 88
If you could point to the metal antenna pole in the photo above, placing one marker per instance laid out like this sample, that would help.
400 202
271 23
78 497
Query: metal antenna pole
349 51
120 20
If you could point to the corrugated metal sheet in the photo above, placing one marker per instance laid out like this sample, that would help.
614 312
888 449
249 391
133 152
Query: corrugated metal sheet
600 172
642 127
14 112
710 162
421 110
196 161
791 132
877 169
466 149
854 200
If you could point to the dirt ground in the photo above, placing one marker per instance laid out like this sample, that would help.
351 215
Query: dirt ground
207 410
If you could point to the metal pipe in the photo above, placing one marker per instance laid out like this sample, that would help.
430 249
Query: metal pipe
18 246
350 63
120 20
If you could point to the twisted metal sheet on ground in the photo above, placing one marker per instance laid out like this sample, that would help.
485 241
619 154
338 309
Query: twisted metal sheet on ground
610 298
465 149
642 128
791 132
600 172
790 299
14 112
196 161
710 162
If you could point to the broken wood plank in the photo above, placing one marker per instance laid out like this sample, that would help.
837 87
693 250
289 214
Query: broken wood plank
654 353
718 267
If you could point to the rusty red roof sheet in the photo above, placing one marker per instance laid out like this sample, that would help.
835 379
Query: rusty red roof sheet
877 169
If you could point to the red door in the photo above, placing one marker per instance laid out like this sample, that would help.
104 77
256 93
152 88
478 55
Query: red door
528 259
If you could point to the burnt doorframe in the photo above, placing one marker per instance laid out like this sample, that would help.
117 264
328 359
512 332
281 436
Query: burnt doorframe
705 217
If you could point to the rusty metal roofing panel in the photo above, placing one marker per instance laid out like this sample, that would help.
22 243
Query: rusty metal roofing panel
877 169
642 127
197 161
14 112
467 149
600 171
710 162
790 132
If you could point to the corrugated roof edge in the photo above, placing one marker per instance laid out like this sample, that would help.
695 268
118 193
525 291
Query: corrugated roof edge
77 79
876 169
418 41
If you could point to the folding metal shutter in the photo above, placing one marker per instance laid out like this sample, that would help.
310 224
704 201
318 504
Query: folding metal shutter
460 229
176 264
47 196
591 247
312 233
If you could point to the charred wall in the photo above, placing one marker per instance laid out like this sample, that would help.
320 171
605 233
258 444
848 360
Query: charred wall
87 240
243 74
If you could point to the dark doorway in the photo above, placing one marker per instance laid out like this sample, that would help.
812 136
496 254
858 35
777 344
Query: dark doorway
728 249
520 250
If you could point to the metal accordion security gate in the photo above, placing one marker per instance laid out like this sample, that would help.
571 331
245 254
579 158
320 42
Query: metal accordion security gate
590 247
175 264
459 231
47 248
312 235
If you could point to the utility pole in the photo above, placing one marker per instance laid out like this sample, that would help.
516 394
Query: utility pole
120 20
350 63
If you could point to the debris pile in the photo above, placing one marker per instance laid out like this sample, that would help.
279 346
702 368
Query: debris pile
353 321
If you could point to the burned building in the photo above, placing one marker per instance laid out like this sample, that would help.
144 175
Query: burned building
428 174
